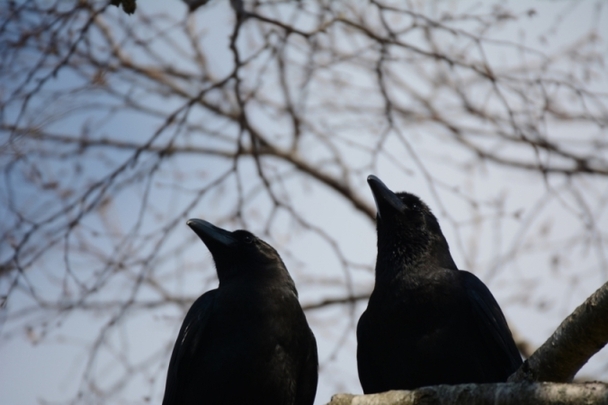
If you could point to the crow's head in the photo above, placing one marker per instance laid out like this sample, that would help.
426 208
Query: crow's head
240 254
408 231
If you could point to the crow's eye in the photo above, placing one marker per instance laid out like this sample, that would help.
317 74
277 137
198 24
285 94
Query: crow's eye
248 239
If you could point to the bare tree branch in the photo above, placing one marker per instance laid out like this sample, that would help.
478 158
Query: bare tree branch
581 335
485 394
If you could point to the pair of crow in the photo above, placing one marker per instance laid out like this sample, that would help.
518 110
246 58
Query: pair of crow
426 322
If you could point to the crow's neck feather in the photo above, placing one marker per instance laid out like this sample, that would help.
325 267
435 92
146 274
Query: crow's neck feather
411 255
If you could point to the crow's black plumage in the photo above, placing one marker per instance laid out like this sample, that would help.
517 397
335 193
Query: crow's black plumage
246 342
426 322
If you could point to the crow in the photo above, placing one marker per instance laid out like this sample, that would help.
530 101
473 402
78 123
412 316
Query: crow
248 341
426 322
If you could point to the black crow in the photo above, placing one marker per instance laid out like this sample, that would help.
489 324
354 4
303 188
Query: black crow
246 342
426 322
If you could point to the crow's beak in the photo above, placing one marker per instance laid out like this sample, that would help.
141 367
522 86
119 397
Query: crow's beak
385 199
211 235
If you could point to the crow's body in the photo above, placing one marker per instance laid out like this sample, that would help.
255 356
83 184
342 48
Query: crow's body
248 340
427 322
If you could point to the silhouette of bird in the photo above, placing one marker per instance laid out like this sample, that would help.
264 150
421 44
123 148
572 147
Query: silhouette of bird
426 322
248 341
